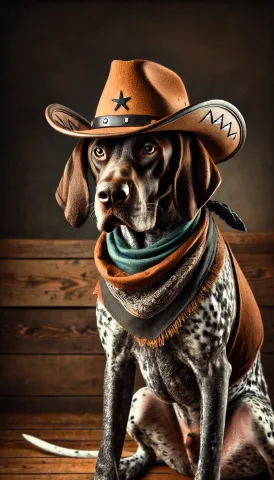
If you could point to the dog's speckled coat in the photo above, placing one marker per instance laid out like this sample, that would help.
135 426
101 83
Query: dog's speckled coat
188 413
165 415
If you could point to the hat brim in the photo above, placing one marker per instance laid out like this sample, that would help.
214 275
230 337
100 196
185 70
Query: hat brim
217 123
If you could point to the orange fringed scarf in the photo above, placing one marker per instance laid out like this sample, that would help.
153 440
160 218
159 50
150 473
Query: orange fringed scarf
247 336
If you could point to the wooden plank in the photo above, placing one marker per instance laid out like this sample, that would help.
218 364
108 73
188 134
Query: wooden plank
22 449
47 283
50 421
165 475
71 330
268 320
259 271
49 330
68 435
53 375
89 404
46 248
250 242
54 465
258 242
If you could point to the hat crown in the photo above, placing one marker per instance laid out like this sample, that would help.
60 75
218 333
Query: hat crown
141 87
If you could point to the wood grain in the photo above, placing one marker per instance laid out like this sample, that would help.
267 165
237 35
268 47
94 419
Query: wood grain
45 465
250 242
49 330
153 475
47 283
46 248
22 460
268 321
50 421
165 475
54 435
259 271
20 448
88 404
54 375
71 330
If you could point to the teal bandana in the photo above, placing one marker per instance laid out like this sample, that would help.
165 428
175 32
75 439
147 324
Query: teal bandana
133 260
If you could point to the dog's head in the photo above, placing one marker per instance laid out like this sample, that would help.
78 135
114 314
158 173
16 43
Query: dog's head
133 174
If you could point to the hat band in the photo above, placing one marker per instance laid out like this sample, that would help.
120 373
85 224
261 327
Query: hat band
122 121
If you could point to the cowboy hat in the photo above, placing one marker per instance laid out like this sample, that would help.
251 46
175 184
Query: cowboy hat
141 96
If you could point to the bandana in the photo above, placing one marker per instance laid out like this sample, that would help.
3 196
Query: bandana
153 304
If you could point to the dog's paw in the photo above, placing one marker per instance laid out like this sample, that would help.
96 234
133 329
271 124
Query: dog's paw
133 466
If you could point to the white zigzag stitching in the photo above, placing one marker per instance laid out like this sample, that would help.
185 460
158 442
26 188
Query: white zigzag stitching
219 121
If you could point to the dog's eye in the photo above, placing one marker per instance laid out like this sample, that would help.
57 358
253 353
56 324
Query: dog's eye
99 152
149 149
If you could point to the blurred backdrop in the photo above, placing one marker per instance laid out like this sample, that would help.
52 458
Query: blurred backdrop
61 52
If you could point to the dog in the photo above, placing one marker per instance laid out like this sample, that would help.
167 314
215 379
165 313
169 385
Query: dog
233 433
188 415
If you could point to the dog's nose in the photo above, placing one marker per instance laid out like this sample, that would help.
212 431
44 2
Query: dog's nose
113 193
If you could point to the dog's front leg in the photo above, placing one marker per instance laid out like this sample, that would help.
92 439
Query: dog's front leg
214 383
118 390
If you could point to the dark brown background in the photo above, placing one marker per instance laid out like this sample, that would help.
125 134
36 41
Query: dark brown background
61 52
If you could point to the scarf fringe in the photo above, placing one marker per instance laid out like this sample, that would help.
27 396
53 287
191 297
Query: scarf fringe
173 329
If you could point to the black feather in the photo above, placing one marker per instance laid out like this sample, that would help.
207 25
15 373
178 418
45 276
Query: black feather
225 213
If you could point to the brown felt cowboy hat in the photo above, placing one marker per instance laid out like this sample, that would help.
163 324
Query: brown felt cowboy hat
142 96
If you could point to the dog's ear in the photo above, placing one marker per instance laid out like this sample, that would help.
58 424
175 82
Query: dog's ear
72 193
196 179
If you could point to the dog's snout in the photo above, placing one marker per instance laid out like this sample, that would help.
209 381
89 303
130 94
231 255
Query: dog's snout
113 193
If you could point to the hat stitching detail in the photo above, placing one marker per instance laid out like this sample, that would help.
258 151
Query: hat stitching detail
72 126
218 121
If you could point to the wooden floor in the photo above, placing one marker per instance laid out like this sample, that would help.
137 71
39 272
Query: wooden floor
20 460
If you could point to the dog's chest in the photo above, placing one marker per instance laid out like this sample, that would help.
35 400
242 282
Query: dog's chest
166 370
170 379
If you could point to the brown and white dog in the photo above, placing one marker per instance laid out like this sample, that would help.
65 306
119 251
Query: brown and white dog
188 415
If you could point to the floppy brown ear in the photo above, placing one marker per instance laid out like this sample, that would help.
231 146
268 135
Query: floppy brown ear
72 193
196 179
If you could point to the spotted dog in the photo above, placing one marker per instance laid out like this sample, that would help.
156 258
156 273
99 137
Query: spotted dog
165 415
187 415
